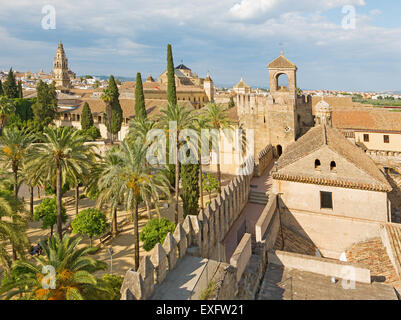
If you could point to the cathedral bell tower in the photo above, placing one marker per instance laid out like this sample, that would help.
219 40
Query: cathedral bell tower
60 68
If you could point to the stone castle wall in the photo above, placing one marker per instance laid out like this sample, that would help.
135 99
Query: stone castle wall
198 235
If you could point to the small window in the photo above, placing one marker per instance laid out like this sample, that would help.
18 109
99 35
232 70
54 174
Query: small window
99 119
317 164
78 117
333 166
326 200
366 138
386 138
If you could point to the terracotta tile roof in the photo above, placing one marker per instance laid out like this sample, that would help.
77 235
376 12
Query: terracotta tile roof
367 119
153 106
319 137
373 254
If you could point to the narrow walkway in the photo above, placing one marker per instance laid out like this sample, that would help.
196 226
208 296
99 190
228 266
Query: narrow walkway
250 214
181 281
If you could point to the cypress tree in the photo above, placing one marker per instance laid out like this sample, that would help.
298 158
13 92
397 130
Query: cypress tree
116 111
171 90
86 117
1 88
20 94
10 86
171 98
140 109
190 189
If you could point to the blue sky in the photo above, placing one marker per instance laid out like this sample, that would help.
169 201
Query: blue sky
229 38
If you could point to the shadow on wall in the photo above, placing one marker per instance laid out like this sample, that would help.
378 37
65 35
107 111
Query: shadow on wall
296 239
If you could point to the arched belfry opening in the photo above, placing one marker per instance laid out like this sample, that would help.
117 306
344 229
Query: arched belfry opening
282 69
282 82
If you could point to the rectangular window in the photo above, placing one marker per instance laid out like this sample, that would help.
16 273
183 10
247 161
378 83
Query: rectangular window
366 138
386 138
326 200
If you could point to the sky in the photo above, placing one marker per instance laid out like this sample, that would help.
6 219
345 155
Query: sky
336 44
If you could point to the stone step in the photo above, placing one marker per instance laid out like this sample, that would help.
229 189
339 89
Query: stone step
258 202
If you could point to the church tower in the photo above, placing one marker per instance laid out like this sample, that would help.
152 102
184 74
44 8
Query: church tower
60 68
208 86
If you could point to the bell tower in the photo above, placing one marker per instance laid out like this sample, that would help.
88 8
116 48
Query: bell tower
278 67
60 68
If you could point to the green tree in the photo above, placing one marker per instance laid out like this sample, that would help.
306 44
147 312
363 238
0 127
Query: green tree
114 282
107 98
86 117
62 154
132 179
190 188
231 103
1 88
140 109
46 211
210 184
106 193
117 112
20 93
10 86
45 107
6 109
200 123
14 145
218 119
74 271
90 222
171 89
155 231
183 119
12 224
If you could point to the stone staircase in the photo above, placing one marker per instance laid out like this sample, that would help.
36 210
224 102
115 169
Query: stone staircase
258 197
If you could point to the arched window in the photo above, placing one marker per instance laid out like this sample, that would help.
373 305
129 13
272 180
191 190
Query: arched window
282 82
333 166
317 164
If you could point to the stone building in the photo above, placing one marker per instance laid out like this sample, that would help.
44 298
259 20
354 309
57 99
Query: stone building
60 68
280 117
331 192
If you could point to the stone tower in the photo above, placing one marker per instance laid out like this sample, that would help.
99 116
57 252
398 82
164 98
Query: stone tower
208 86
323 114
280 116
60 64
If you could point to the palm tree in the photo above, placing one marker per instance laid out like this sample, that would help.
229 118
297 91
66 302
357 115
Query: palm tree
108 98
32 180
200 123
138 129
133 179
12 223
6 108
108 191
182 119
218 119
62 154
14 144
70 268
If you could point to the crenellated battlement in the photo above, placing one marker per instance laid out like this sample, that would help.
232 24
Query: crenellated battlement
199 235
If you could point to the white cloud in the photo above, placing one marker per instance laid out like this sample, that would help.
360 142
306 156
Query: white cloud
255 9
